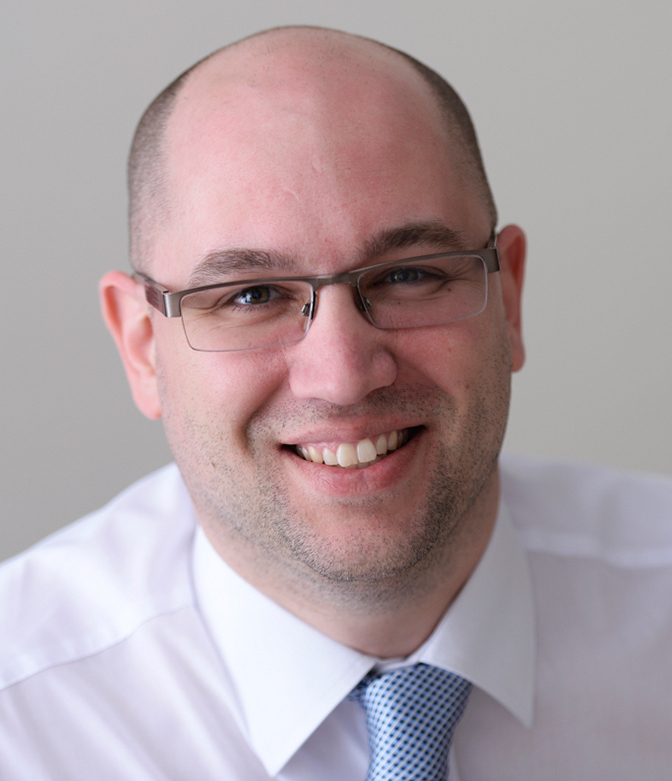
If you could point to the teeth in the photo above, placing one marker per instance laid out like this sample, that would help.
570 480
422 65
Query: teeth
366 451
314 455
346 454
329 456
359 454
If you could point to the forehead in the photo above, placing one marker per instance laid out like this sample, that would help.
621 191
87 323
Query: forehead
308 151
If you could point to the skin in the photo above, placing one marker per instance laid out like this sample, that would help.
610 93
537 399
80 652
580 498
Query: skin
312 144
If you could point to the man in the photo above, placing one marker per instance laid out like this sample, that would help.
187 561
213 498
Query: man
339 526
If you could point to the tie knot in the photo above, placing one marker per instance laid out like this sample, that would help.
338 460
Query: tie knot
411 713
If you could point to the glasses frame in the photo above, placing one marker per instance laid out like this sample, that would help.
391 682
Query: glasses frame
169 302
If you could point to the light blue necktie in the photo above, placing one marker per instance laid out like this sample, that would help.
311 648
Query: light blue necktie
411 713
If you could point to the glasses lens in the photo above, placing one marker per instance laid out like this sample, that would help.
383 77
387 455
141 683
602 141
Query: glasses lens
428 292
246 317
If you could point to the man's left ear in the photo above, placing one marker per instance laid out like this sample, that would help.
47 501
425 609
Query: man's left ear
512 245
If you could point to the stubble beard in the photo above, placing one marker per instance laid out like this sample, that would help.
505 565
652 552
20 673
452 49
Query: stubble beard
258 509
379 566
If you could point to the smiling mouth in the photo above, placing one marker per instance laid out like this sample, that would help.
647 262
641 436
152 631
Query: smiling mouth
356 455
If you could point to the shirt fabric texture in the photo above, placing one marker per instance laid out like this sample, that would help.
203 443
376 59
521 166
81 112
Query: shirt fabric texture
129 649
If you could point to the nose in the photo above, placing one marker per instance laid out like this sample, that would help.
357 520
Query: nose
343 357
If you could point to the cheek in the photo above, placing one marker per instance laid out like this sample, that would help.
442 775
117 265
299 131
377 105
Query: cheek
456 357
470 363
222 391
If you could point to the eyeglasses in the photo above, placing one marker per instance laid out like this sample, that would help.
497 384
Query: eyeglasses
249 314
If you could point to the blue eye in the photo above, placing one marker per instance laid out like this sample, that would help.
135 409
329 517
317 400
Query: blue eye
255 295
404 275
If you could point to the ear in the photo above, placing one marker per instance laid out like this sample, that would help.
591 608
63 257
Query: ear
127 316
512 246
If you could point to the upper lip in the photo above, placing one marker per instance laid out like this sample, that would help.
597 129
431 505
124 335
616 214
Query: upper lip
337 432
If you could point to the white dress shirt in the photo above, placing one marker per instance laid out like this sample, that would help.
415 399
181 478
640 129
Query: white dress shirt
130 650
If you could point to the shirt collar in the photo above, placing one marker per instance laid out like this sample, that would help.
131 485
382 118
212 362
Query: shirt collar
488 634
287 677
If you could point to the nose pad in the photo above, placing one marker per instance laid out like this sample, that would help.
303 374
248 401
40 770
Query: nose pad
363 305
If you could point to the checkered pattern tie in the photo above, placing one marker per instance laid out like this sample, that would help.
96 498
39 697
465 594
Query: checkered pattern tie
410 714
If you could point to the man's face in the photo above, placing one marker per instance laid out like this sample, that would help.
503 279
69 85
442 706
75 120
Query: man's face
316 169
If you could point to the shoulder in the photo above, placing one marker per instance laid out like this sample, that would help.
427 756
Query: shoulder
92 583
587 510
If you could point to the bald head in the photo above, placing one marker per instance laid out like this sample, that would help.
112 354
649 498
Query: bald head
332 77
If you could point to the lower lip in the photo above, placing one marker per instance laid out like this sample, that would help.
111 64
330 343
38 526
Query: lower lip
338 481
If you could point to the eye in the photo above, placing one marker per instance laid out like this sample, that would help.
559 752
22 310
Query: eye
408 275
404 275
261 294
405 282
266 297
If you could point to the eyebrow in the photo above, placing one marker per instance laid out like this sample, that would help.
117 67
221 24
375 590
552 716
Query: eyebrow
219 264
431 234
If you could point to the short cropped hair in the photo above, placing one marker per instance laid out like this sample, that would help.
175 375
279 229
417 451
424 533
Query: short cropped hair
147 171
456 115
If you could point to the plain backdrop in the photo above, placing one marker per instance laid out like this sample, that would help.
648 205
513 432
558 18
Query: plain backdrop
573 105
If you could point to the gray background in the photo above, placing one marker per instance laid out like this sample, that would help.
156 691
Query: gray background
573 103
